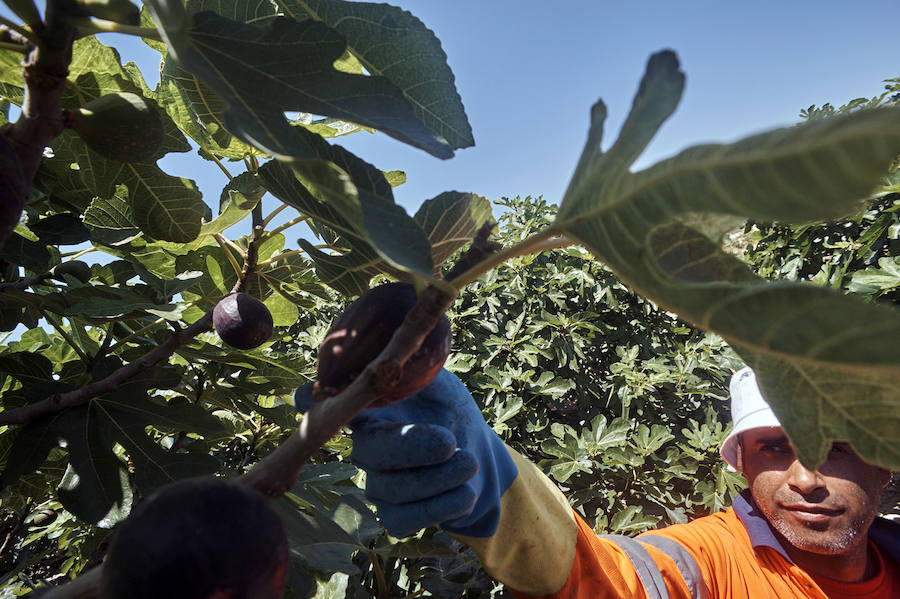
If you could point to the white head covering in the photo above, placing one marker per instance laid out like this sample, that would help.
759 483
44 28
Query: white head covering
748 410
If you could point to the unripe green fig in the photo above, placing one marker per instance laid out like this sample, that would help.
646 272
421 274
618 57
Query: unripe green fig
122 126
198 538
41 517
364 329
242 321
76 268
120 11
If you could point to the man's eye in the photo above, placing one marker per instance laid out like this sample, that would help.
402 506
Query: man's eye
841 448
773 448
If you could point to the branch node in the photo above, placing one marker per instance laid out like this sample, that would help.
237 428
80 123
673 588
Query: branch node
387 374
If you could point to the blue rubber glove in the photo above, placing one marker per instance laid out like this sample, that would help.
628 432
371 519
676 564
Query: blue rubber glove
430 460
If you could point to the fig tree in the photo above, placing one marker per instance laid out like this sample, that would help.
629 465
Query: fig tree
122 126
364 329
242 321
198 538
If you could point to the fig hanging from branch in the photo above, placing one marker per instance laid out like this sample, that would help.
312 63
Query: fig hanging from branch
122 126
242 321
364 330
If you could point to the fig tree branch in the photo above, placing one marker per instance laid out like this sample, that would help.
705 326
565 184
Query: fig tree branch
275 474
29 35
121 342
542 240
44 69
65 335
222 244
221 166
91 25
25 283
77 397
14 47
273 214
284 226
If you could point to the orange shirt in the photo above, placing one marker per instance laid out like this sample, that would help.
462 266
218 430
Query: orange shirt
731 564
884 585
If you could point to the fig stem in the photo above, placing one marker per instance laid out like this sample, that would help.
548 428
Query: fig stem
27 34
25 283
273 214
76 255
281 256
89 25
275 474
545 239
221 166
222 244
15 47
283 226
65 335
115 346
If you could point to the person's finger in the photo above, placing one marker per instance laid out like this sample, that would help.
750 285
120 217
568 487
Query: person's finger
395 445
405 519
416 484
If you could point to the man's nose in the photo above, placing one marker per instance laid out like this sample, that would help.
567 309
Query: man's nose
803 480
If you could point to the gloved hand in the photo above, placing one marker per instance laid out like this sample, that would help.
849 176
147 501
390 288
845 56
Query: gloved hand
430 459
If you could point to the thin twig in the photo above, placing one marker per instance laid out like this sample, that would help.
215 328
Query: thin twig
78 254
544 239
65 335
220 165
86 586
273 214
91 25
13 26
282 256
23 284
284 226
121 342
15 47
222 241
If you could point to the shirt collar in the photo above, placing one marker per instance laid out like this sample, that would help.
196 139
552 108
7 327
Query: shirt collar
883 532
758 528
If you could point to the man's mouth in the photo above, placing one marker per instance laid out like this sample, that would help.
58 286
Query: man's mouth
812 513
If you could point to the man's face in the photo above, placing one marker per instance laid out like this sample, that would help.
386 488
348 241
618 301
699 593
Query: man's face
827 511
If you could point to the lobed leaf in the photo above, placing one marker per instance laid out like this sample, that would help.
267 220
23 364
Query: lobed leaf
393 43
262 71
651 228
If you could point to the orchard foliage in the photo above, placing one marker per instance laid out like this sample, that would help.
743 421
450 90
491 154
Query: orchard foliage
114 384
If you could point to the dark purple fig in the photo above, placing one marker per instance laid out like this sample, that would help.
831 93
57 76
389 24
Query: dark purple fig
198 538
242 321
365 329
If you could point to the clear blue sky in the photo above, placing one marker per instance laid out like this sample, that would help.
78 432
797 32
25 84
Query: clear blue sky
528 72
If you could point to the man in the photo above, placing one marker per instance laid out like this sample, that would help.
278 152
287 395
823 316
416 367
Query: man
432 460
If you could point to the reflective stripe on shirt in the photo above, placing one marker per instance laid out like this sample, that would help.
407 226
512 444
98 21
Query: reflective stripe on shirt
648 571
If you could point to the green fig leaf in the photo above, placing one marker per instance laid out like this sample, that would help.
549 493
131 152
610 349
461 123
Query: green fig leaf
244 65
650 229
393 43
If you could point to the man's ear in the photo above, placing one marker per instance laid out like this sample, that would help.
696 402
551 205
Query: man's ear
740 452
